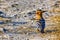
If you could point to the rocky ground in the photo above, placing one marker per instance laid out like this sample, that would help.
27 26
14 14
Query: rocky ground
29 31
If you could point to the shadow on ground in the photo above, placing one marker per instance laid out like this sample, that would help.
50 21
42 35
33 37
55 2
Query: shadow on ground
50 31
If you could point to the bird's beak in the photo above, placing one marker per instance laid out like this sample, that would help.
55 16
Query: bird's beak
44 11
